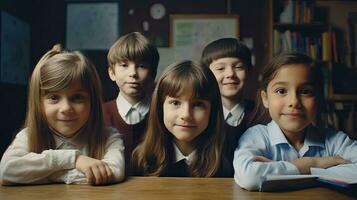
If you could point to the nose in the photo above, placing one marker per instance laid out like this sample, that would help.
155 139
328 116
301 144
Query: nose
230 71
185 112
133 72
294 100
66 106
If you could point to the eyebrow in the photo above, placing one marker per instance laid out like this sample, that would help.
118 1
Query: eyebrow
309 83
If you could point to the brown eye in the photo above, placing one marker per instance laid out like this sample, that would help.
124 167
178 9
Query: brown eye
52 98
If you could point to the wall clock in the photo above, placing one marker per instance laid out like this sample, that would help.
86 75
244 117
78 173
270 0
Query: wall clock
157 11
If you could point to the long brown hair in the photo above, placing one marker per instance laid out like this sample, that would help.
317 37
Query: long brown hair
260 114
155 152
55 71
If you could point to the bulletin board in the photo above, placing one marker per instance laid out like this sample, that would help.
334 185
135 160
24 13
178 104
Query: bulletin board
189 34
92 25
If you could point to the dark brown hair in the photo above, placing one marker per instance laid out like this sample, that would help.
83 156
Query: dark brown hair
260 114
226 47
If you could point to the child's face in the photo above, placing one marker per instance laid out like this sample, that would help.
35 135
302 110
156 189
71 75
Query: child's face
67 110
290 98
133 79
231 75
186 117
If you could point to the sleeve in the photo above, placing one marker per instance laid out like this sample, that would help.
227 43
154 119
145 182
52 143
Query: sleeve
20 166
114 155
247 172
340 144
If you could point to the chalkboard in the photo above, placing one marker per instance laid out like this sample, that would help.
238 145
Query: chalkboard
15 49
189 34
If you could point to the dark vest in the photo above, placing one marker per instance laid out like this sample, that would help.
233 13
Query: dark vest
131 134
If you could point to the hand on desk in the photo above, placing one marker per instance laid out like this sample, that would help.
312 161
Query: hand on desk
305 163
96 171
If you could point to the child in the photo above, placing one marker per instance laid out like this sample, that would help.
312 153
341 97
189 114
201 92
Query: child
133 63
184 135
290 94
230 61
64 139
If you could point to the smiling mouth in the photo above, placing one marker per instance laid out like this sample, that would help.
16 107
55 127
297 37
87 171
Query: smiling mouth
294 115
67 120
185 126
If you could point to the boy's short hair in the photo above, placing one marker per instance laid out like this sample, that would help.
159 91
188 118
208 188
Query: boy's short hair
226 47
134 47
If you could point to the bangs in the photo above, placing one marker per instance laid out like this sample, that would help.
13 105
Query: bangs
226 51
57 75
176 84
133 50
226 47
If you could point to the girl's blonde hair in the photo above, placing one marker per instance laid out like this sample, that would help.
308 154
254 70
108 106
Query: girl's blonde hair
56 70
155 152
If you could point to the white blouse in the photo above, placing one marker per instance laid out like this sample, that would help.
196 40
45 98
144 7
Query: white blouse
20 166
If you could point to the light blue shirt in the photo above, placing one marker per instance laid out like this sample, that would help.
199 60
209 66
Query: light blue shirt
270 142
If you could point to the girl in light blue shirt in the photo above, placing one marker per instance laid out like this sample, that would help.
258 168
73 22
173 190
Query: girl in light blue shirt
286 140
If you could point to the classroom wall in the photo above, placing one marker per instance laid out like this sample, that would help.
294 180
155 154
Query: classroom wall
47 21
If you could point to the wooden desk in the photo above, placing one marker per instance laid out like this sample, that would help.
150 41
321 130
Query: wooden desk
152 188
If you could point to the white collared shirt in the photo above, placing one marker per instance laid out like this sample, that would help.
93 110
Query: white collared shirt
179 156
237 114
20 166
132 114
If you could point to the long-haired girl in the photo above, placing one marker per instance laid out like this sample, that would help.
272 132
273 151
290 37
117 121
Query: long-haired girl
64 139
184 135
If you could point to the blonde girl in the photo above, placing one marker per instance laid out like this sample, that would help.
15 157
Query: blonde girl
64 139
184 135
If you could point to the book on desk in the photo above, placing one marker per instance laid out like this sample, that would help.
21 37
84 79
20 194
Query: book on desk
271 183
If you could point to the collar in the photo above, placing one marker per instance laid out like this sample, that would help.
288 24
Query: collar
237 113
142 106
313 137
179 156
78 140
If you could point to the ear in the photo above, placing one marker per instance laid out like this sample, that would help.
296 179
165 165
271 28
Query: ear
111 74
264 97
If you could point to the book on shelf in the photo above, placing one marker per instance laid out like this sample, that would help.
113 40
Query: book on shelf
270 183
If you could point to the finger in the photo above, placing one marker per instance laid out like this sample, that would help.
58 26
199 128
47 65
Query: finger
340 160
97 175
103 172
261 159
109 173
90 176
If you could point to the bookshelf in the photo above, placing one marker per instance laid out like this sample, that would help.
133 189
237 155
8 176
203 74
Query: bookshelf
304 25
